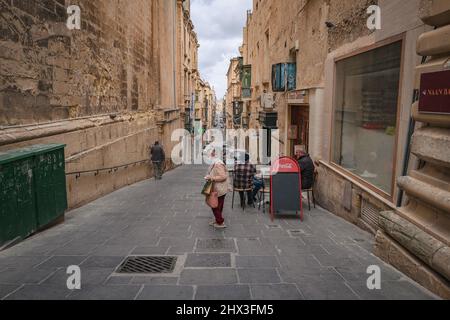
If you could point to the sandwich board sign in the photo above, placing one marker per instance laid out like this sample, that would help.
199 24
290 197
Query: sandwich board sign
286 188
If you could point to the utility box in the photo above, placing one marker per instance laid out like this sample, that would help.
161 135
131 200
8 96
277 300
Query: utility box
32 190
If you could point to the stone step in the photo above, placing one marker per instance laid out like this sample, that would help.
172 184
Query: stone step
433 43
393 253
435 12
438 120
432 196
430 250
432 145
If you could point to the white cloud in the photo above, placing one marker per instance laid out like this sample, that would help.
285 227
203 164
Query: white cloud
218 24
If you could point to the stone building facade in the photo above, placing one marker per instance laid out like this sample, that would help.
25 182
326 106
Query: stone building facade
416 237
108 90
188 73
205 104
343 92
233 94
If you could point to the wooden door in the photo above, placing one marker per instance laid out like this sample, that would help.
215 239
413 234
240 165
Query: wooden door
300 119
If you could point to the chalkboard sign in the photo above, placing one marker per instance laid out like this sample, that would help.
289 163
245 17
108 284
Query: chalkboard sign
285 183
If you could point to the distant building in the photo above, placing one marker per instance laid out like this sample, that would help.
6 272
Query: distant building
234 104
107 91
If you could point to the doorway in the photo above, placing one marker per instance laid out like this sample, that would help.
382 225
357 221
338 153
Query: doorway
298 131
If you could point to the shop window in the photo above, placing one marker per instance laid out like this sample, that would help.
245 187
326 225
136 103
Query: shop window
366 100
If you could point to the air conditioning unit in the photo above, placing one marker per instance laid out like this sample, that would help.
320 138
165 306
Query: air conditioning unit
267 101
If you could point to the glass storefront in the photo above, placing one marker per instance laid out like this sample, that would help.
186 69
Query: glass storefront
366 101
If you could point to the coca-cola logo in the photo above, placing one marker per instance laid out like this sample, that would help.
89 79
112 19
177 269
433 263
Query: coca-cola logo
284 165
287 166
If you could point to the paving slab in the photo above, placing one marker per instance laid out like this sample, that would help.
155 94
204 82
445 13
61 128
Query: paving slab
208 276
232 292
101 292
152 292
61 262
212 260
276 292
322 257
257 262
6 289
258 276
39 292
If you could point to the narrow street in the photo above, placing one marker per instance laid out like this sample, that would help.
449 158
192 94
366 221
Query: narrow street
323 257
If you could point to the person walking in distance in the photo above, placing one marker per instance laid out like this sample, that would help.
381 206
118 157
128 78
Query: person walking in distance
158 158
219 176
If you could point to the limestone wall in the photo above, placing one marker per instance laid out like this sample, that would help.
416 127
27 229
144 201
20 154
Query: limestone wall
97 143
107 91
420 230
49 72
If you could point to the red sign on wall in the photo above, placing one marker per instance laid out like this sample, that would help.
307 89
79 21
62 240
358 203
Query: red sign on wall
435 92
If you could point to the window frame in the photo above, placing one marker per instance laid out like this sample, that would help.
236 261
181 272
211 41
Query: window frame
398 38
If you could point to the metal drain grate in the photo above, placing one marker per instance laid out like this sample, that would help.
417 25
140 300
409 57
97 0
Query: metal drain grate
219 244
147 264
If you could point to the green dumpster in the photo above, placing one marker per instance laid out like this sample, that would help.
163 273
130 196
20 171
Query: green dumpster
32 190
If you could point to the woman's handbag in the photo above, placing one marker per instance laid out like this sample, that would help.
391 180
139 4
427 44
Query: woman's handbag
207 188
213 200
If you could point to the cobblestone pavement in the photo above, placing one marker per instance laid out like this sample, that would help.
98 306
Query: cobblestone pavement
323 257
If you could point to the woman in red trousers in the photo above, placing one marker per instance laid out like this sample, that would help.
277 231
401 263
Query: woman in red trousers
218 174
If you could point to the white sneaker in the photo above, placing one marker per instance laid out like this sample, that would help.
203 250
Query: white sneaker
219 226
212 223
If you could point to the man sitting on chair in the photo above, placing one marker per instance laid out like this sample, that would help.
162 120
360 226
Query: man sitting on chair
243 179
307 169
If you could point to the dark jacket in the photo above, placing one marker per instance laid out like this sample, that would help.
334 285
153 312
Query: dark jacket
157 154
307 170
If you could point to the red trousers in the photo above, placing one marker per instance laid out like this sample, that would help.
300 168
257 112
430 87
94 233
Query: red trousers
219 210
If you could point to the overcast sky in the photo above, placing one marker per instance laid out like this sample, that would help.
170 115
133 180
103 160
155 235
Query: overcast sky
218 24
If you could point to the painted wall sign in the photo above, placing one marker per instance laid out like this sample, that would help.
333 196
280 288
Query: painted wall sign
298 97
435 92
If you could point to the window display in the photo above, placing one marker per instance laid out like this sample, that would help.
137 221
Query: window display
366 100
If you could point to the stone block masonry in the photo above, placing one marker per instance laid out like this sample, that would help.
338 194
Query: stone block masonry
50 73
104 90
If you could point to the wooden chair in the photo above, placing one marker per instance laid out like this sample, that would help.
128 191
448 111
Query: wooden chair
244 204
310 192
265 191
